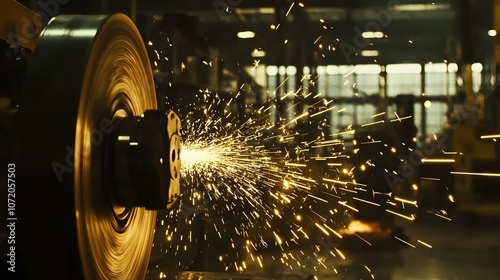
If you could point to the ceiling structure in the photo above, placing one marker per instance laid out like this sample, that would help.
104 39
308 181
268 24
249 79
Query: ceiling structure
325 32
322 32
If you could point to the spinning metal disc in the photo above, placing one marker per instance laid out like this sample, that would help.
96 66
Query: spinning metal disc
86 74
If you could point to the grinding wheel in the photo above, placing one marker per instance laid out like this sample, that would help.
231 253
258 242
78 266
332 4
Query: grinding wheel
86 74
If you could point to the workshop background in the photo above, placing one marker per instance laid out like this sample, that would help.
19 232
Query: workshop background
321 139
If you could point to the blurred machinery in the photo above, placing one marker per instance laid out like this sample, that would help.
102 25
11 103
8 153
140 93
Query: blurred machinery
473 116
377 151
91 151
476 166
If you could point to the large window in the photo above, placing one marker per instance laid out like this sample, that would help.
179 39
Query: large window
282 87
288 75
349 85
272 72
367 79
403 79
436 116
367 82
341 81
439 82
477 69
436 79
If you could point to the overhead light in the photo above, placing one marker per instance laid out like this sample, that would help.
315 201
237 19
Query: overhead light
272 70
282 70
370 53
321 70
452 67
492 33
477 67
367 69
372 34
258 53
291 70
435 68
420 7
332 69
404 68
246 34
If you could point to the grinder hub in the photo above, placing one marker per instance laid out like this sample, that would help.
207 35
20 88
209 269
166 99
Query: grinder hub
146 160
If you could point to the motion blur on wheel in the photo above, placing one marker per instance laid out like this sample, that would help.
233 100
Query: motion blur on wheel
94 156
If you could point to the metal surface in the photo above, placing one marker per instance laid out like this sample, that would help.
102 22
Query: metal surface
19 25
86 74
145 157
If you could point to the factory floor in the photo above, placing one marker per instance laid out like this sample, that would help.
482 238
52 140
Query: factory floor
460 250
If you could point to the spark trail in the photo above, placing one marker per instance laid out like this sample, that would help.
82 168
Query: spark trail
265 185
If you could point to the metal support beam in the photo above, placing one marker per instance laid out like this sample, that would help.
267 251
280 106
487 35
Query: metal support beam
496 94
423 120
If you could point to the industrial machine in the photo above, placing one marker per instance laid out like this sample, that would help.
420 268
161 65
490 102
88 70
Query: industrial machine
89 148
